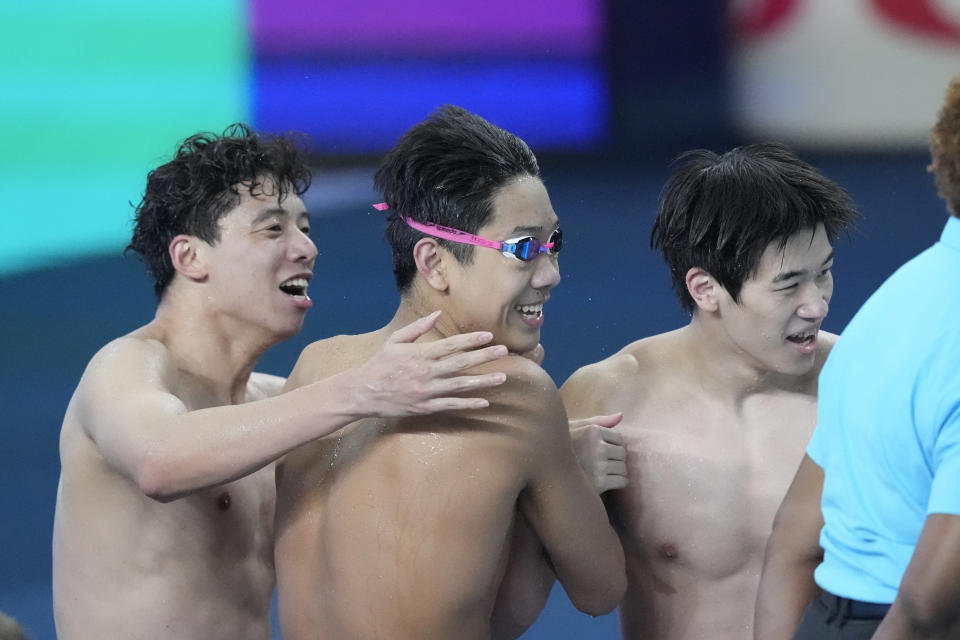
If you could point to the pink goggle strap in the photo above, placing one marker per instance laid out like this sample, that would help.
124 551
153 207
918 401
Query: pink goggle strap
446 233
453 235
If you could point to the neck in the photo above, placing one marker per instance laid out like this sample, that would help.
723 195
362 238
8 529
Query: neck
413 307
721 368
421 300
218 351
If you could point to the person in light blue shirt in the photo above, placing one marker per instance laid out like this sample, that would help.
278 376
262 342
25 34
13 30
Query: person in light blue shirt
867 541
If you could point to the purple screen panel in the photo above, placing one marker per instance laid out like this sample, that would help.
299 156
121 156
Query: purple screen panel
550 28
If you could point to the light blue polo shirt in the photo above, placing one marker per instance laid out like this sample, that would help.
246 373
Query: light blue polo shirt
888 425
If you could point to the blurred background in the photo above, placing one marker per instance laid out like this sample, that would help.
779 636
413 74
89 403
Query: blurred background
94 93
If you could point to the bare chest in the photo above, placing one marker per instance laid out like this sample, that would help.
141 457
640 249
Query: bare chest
705 485
233 520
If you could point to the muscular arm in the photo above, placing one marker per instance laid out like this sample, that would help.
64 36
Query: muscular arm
525 587
130 407
561 504
928 602
793 552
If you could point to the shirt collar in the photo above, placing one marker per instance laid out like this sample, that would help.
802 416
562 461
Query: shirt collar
951 233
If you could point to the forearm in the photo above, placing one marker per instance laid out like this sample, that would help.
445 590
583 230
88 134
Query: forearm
927 606
525 587
595 579
786 589
913 621
207 447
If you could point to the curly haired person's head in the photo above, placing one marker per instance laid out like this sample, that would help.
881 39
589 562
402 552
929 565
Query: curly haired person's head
190 193
945 149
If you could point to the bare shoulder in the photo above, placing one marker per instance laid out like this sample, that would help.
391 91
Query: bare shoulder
526 381
588 390
527 404
127 359
330 356
119 373
264 385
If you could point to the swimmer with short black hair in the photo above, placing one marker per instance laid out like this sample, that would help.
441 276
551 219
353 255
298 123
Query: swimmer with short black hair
404 528
716 414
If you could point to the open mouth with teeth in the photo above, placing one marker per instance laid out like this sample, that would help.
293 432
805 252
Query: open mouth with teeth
803 338
530 310
296 287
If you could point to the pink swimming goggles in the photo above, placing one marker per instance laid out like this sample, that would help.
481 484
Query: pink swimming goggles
525 248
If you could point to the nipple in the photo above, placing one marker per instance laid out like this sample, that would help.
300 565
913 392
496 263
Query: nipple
668 551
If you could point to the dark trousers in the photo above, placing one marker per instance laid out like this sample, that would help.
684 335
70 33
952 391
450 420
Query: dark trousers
831 618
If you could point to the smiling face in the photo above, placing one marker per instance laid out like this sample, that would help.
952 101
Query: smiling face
500 294
259 269
782 304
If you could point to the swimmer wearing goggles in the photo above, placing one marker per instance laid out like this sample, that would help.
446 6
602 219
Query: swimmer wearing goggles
525 248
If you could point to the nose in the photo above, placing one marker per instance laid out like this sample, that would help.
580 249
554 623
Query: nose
547 275
302 248
816 304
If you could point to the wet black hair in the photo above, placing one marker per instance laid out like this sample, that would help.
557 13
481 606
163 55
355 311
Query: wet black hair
720 212
447 170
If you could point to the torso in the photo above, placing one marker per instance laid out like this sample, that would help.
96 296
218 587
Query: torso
128 566
394 529
705 481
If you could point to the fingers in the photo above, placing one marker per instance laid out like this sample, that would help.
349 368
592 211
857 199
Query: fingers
415 329
613 475
469 359
460 342
608 421
613 482
615 451
454 404
612 437
616 468
461 384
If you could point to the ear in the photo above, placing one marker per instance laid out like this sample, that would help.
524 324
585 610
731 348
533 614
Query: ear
430 259
703 288
186 256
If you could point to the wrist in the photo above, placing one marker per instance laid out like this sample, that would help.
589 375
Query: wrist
352 397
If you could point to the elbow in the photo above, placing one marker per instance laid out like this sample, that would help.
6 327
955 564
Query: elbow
601 601
605 595
154 480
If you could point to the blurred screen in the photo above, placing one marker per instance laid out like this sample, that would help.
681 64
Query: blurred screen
95 93
98 92
357 75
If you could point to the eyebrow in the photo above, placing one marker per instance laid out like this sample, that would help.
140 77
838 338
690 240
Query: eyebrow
787 275
278 211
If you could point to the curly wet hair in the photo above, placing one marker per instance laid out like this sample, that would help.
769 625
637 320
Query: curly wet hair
945 149
189 194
